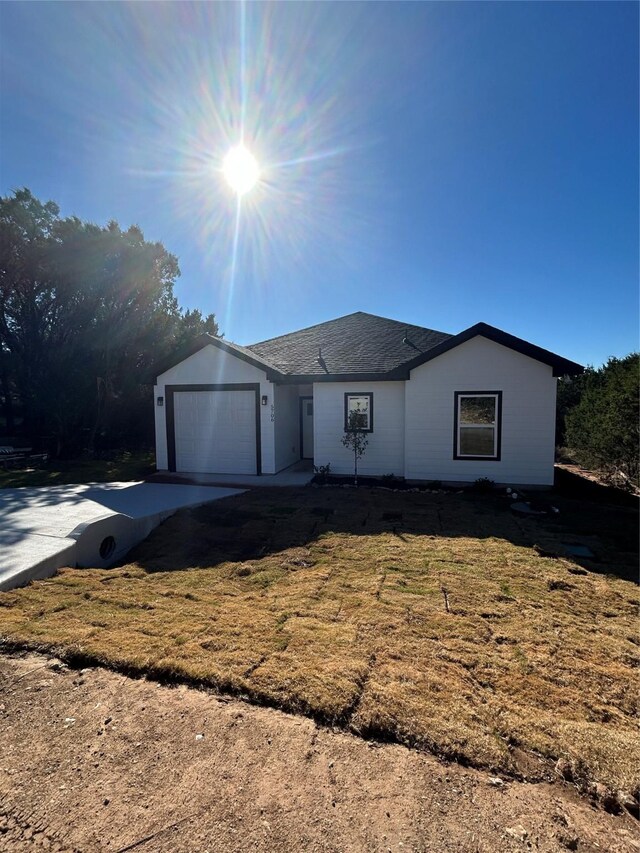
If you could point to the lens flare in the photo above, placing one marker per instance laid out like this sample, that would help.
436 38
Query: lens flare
262 156
240 169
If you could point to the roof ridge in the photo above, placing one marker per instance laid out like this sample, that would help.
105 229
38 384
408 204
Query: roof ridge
344 317
304 329
406 325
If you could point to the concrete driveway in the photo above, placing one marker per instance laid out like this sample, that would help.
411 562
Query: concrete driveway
43 529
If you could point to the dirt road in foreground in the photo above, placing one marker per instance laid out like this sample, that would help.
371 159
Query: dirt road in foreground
94 761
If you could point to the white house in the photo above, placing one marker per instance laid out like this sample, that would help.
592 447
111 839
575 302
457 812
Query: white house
435 406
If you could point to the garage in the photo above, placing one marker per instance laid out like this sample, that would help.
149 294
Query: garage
213 429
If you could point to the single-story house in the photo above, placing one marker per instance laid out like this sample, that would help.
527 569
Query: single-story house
435 406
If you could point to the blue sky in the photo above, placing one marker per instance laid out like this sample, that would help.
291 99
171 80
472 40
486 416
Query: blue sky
438 163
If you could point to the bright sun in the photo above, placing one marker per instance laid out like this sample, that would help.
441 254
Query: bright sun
240 169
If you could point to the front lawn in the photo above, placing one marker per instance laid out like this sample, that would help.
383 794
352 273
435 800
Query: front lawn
427 619
122 467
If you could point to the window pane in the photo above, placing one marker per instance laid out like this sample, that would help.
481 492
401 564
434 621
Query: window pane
476 441
359 406
360 421
477 410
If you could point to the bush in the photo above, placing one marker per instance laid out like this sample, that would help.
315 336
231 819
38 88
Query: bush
483 484
322 473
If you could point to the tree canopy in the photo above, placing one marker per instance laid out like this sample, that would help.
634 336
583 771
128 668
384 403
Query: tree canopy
86 313
602 417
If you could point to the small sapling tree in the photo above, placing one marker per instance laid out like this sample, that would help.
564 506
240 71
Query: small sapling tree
355 439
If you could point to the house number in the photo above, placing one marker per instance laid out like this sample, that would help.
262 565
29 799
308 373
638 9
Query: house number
273 413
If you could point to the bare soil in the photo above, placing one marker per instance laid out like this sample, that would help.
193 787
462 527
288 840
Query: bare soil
439 621
91 760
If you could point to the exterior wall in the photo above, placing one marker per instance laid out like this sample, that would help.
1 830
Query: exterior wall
212 365
385 452
287 425
528 415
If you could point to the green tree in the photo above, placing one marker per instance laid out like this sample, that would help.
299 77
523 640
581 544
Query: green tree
355 439
602 428
570 391
86 313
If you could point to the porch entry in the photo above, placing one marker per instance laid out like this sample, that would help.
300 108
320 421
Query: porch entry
306 427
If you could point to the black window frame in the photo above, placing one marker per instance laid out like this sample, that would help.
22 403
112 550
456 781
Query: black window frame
498 426
348 394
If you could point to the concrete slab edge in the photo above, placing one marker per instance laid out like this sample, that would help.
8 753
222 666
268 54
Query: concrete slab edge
98 543
42 569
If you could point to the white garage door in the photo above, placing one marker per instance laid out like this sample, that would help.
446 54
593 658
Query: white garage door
215 431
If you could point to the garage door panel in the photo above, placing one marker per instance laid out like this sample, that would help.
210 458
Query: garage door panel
215 431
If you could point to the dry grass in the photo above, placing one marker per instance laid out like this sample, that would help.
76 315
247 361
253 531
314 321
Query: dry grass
442 629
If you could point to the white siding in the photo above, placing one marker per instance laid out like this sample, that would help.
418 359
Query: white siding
385 452
212 365
287 425
528 415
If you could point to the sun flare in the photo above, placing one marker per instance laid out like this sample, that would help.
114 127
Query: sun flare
240 169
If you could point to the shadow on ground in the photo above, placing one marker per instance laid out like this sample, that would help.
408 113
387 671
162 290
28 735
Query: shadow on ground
267 521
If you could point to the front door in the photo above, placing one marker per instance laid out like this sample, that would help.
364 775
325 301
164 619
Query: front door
306 427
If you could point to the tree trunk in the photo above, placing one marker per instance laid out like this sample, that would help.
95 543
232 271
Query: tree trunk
8 403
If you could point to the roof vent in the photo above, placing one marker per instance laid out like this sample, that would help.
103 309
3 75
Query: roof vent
321 361
408 342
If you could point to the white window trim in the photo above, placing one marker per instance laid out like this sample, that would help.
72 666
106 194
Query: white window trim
497 426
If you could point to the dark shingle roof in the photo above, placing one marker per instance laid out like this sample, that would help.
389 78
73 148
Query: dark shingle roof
363 346
355 344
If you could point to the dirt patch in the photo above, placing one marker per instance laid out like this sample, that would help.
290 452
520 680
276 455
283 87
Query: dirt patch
432 621
94 761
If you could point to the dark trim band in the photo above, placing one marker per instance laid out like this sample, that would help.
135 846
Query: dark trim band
170 390
206 340
560 366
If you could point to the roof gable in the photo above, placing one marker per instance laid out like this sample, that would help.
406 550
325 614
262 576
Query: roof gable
561 366
205 340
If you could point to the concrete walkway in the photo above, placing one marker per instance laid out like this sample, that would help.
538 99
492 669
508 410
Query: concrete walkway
296 475
43 529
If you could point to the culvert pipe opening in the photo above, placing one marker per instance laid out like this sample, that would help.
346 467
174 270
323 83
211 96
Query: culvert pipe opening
107 547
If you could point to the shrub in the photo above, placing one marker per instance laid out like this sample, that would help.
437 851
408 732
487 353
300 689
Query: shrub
322 472
483 484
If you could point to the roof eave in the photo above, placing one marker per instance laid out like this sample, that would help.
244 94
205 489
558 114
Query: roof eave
205 340
397 374
560 366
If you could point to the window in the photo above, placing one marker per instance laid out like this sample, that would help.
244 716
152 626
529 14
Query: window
362 405
477 420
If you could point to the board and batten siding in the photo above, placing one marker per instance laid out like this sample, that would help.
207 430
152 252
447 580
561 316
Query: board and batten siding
528 415
385 451
212 366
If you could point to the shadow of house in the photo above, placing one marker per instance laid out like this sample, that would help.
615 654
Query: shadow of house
265 522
